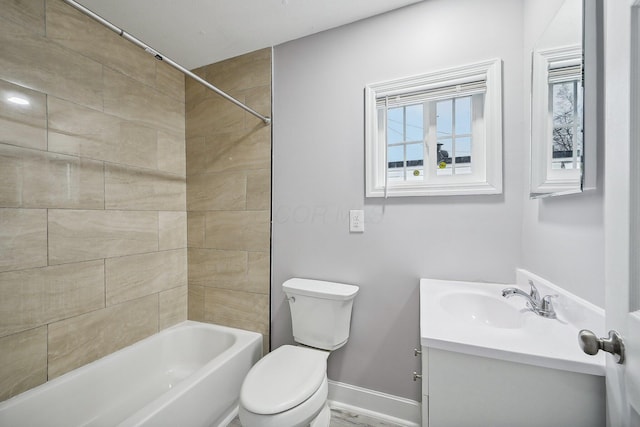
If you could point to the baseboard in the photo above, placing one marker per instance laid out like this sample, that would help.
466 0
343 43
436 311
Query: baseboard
385 407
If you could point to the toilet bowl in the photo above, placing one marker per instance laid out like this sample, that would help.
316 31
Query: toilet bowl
289 387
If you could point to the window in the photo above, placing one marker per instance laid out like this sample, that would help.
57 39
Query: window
435 134
556 120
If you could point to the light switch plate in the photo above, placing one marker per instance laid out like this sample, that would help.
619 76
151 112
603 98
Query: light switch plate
356 221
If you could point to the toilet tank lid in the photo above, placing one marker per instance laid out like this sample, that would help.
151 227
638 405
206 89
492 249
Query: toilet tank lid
320 289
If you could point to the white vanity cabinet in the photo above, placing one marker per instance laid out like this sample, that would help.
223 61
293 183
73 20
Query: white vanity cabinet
466 390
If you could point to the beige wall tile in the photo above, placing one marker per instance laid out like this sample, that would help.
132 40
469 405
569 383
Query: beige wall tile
135 276
140 123
222 269
258 98
241 72
143 189
170 81
229 277
196 155
74 129
221 191
23 238
134 141
29 14
79 235
35 62
234 270
128 99
243 150
82 339
243 310
259 272
238 230
38 179
195 229
259 189
39 296
213 114
196 303
23 125
173 306
60 181
11 177
172 227
73 30
23 361
195 91
171 153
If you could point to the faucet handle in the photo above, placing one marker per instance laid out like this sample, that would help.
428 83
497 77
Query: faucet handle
535 295
546 307
546 302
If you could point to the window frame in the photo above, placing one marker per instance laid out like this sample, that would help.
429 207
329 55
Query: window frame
488 178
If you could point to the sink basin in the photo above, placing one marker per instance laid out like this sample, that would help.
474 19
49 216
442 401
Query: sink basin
483 310
474 318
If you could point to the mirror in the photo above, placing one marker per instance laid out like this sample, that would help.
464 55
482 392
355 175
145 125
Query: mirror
557 99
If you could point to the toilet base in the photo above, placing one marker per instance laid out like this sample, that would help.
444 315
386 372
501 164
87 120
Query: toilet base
323 419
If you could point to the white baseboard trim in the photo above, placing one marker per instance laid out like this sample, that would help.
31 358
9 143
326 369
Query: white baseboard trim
385 407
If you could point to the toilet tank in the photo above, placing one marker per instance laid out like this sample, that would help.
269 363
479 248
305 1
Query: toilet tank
320 311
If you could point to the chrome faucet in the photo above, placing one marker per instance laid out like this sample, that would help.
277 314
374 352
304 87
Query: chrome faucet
542 307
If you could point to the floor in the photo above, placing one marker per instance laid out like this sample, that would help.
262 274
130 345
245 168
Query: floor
341 418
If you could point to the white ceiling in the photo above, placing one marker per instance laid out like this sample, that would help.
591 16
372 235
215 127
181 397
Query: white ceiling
200 32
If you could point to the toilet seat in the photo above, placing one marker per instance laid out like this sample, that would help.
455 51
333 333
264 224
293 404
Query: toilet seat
283 379
298 416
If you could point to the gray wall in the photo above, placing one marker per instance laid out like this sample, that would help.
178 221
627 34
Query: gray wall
318 164
563 237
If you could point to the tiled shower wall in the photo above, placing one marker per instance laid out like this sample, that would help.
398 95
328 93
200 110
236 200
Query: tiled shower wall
229 193
92 193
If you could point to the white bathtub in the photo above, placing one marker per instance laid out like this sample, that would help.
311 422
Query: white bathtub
187 375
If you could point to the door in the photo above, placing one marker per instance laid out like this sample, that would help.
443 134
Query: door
622 205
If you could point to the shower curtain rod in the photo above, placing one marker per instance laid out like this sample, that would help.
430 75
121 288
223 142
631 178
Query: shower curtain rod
163 58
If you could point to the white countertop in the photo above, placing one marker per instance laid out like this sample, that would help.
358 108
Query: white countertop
533 340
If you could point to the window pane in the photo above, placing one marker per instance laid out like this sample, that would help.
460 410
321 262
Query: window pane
443 162
463 116
444 118
463 155
415 162
562 141
580 128
562 156
578 149
563 103
580 104
395 125
415 154
414 125
395 161
395 155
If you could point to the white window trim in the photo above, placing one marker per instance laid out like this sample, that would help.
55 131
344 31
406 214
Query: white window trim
489 181
544 179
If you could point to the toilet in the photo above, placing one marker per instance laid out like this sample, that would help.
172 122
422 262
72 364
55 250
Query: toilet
288 387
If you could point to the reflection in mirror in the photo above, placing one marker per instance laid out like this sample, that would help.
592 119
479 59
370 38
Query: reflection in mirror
557 151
